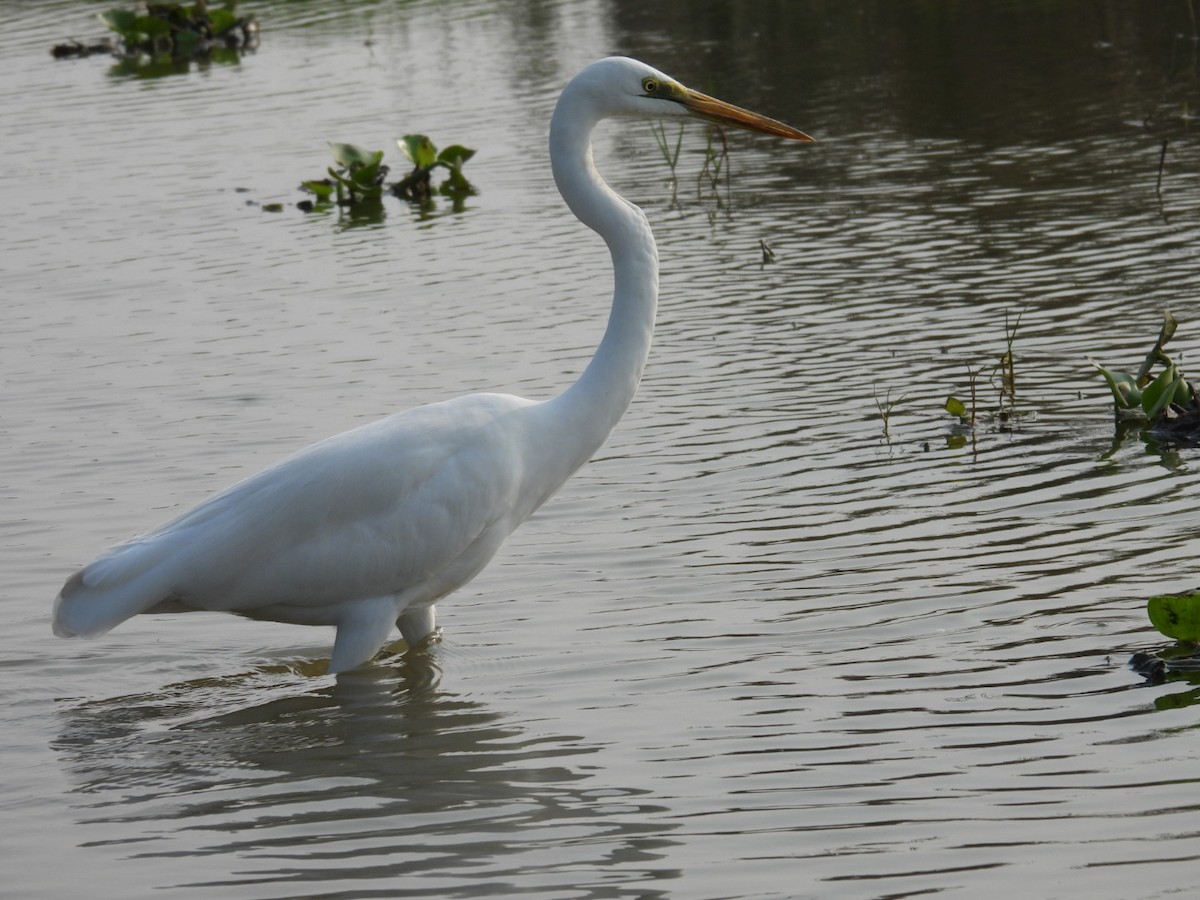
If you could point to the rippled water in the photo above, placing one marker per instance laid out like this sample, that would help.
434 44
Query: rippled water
756 648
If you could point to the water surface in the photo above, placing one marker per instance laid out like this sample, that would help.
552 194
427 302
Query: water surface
757 648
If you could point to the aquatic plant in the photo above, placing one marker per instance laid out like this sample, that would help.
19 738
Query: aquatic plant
1176 616
1006 410
885 408
358 175
357 178
670 155
416 186
715 170
1166 402
180 29
164 38
1008 369
715 161
966 415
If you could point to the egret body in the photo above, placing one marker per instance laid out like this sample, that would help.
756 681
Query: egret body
371 528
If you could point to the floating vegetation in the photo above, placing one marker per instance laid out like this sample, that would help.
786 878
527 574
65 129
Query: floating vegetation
1163 405
416 187
158 34
357 179
179 29
1176 616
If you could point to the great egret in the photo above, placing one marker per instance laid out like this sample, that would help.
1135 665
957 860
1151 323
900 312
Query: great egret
374 526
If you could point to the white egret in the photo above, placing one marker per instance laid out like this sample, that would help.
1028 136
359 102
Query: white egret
372 527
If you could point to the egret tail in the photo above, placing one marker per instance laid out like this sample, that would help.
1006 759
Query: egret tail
128 581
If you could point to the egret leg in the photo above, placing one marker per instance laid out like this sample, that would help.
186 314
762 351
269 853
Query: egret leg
363 629
417 624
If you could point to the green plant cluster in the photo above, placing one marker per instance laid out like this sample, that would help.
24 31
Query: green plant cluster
1176 616
425 157
1166 402
180 30
357 177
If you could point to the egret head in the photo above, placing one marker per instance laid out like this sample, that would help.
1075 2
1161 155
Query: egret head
626 87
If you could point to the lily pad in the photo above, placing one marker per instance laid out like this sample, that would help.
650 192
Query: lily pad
1176 615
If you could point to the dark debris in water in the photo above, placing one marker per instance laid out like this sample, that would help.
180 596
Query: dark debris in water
1179 425
1176 663
73 49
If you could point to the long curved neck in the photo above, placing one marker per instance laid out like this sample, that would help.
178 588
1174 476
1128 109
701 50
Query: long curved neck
589 409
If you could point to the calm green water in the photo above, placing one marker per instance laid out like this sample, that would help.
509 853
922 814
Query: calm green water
754 649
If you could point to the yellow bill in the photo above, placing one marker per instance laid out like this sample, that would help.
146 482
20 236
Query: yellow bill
722 113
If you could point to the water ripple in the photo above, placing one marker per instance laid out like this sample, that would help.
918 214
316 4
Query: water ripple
759 646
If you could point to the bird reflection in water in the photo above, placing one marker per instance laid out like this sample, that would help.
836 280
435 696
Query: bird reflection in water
376 774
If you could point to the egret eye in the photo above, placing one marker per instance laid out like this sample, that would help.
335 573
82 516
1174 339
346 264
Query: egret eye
650 85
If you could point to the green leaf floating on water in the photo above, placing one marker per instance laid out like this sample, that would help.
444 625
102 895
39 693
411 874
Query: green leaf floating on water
956 407
1176 615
